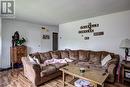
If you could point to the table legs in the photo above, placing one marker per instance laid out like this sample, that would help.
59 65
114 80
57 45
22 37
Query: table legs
122 74
94 84
63 76
102 85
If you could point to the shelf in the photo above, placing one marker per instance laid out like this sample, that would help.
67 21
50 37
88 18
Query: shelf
128 70
127 79
71 83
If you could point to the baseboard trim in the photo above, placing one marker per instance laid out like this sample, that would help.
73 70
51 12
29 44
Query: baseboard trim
4 69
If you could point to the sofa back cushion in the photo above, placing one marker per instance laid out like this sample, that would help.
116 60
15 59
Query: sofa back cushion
64 54
105 53
45 56
105 61
55 54
84 55
73 54
95 57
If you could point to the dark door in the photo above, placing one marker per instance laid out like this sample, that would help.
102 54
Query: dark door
55 41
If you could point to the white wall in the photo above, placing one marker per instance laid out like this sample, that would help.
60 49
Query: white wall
31 32
115 26
0 42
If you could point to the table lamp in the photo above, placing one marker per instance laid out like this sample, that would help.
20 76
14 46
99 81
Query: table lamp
125 44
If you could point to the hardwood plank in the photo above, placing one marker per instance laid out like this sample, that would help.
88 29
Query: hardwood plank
13 79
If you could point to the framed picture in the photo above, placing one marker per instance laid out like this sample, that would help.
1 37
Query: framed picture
45 37
86 38
128 58
98 33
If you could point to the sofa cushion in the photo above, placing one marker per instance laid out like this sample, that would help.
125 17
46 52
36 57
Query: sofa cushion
95 57
47 70
64 54
83 55
73 54
82 64
55 54
59 65
47 55
43 58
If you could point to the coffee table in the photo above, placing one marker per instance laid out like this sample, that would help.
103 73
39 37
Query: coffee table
96 77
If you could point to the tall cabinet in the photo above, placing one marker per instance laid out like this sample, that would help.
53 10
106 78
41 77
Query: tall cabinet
16 53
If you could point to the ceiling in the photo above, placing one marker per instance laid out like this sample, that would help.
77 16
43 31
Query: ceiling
54 12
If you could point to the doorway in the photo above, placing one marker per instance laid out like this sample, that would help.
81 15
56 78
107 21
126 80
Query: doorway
55 41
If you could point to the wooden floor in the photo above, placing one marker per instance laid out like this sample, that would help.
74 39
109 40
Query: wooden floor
14 79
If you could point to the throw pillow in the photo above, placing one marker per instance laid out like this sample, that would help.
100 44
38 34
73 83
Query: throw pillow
47 55
31 60
83 55
68 60
95 57
105 60
36 60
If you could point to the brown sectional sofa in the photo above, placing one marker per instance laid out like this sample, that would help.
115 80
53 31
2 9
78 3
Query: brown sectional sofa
38 74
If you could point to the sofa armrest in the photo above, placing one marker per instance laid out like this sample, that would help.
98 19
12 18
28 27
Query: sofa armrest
112 73
37 70
112 68
31 71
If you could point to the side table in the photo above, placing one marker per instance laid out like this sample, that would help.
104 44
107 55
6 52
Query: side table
125 71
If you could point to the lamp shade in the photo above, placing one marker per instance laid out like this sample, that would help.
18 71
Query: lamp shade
125 43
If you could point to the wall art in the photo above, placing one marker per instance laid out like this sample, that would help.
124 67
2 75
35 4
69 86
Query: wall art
86 38
45 37
98 33
87 28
